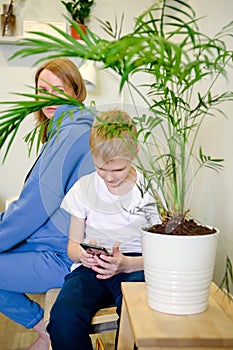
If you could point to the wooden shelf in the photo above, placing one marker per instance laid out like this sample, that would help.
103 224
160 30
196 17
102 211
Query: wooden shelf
9 39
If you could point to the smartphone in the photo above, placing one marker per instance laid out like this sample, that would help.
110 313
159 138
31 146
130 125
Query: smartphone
94 249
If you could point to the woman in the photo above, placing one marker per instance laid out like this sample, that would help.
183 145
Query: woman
34 230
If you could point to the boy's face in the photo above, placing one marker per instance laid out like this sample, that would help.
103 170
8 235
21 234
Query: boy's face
114 172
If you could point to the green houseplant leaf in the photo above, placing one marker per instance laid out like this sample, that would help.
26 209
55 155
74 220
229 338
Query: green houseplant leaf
17 111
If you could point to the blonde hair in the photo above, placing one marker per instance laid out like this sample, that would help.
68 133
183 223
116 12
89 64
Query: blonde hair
69 74
113 134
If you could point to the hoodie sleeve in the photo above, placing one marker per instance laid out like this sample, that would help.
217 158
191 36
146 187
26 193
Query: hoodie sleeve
62 162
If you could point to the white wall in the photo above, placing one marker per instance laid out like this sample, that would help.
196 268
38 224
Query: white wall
212 199
213 202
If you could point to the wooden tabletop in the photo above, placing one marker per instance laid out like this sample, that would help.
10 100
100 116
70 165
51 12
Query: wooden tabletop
151 329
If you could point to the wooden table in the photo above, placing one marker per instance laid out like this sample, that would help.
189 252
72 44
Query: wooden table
149 329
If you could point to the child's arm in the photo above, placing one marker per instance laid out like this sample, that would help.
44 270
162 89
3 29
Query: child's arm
76 235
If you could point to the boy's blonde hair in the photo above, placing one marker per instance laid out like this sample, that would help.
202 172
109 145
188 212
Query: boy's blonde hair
113 134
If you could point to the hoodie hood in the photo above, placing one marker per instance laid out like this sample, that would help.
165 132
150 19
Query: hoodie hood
69 114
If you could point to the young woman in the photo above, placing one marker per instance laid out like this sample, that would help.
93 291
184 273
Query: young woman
34 230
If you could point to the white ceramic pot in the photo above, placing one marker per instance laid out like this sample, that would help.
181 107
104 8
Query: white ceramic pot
178 271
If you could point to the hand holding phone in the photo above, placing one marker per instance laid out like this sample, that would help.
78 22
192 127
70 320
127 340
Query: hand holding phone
94 249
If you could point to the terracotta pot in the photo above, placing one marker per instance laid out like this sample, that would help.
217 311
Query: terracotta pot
74 32
178 271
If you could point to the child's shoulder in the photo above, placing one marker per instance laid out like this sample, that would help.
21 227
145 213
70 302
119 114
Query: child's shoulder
87 178
84 183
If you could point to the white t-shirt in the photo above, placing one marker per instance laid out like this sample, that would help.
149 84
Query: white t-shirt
109 218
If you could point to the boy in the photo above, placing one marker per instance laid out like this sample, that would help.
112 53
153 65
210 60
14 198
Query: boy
102 207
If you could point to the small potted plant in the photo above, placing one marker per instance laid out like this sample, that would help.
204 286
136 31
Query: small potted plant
79 11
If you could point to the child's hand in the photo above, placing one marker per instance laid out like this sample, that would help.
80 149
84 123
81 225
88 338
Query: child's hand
108 266
86 258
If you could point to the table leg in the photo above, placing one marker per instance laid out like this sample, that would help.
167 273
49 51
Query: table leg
125 337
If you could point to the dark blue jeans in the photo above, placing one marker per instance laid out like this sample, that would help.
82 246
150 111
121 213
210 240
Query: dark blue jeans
82 295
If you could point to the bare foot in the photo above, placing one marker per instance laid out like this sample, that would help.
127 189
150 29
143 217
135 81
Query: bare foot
40 344
43 341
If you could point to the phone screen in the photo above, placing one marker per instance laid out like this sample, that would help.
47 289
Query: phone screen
94 249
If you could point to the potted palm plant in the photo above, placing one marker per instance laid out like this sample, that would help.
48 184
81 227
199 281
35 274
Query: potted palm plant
79 11
182 66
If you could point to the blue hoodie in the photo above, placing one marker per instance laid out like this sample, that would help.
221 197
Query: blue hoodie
35 222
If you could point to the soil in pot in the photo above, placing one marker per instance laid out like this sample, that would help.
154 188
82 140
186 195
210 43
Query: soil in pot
183 227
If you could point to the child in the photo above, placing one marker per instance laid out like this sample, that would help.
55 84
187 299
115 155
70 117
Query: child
101 206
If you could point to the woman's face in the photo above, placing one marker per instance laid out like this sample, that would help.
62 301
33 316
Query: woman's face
45 80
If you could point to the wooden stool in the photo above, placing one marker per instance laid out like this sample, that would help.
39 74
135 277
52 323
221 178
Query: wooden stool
105 320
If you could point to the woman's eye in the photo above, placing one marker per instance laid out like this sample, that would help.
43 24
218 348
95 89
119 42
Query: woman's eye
42 91
53 92
58 92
